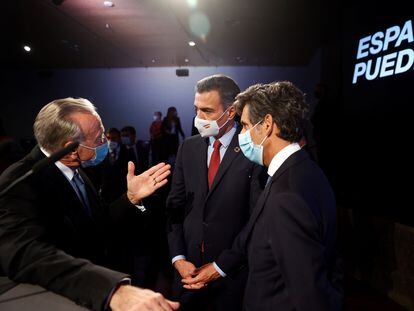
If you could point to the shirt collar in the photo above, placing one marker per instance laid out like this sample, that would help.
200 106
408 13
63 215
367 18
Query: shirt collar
281 157
67 171
225 140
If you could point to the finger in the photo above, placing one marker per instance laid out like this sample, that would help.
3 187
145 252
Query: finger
155 168
162 170
195 286
189 281
163 305
162 176
131 169
173 304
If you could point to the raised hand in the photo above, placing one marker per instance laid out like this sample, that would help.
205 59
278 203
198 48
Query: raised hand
145 184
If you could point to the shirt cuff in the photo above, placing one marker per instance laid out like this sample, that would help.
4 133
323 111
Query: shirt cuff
221 272
124 281
179 257
140 206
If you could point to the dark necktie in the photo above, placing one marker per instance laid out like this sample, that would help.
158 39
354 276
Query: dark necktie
80 189
269 178
214 162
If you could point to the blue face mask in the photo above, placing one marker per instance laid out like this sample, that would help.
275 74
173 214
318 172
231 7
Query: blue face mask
250 150
126 140
100 154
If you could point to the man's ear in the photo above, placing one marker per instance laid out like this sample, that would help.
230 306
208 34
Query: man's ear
267 126
231 112
74 153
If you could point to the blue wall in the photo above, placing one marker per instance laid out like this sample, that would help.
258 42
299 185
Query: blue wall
130 96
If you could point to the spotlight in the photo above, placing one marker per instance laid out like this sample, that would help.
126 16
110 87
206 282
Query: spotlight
27 48
109 4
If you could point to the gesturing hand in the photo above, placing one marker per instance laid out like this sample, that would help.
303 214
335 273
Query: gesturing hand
145 184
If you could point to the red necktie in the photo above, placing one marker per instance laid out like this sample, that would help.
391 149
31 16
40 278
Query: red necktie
214 162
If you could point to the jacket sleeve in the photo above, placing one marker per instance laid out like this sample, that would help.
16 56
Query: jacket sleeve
27 254
175 208
231 260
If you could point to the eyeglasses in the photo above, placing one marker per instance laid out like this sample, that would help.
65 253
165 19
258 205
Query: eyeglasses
101 140
98 142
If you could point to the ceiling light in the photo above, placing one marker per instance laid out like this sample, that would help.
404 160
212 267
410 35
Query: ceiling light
27 48
109 4
186 60
191 43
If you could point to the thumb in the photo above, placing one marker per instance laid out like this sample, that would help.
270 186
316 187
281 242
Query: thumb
131 170
173 304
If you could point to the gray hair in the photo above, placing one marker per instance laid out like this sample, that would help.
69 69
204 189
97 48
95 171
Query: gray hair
224 85
54 126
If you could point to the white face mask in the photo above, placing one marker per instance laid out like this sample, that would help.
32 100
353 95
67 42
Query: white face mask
208 128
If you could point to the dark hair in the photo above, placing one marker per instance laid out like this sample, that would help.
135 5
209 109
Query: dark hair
113 130
225 86
129 129
283 101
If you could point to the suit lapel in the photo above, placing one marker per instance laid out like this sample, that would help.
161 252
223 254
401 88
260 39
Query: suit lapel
93 197
294 159
200 160
58 181
233 151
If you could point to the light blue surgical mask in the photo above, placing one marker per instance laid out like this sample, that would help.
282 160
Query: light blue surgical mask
250 150
100 154
126 140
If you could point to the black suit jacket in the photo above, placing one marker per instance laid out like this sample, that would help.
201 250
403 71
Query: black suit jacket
109 177
291 242
46 238
216 216
141 158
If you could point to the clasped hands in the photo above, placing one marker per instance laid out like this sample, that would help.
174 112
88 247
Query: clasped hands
195 278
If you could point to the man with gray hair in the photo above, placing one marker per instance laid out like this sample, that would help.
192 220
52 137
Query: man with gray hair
53 225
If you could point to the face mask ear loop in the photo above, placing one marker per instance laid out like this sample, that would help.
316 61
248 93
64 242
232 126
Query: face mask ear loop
263 138
90 148
221 117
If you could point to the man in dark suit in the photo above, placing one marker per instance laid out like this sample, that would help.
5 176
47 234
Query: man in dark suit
213 189
53 225
291 235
